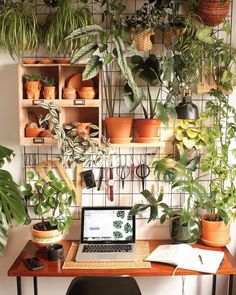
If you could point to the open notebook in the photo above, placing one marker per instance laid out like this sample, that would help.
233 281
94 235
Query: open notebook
186 257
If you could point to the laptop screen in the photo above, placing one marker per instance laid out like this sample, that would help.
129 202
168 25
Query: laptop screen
107 225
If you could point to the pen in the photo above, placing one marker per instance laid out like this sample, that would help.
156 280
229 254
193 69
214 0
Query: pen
200 258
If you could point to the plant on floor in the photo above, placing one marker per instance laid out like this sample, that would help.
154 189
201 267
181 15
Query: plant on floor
50 201
75 146
19 29
67 17
11 204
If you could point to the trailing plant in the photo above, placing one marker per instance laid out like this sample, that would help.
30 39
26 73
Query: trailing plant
220 204
34 76
149 70
11 204
75 147
67 17
48 82
50 200
19 29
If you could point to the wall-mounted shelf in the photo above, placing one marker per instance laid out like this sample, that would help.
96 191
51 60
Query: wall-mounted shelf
136 145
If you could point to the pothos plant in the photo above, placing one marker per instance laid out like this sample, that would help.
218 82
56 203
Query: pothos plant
219 160
50 200
75 147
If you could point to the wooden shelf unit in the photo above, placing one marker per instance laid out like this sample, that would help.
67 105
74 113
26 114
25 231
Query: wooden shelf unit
80 110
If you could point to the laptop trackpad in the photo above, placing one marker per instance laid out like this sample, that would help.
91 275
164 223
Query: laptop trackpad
106 257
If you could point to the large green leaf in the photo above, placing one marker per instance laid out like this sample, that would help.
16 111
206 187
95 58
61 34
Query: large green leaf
91 30
93 67
84 52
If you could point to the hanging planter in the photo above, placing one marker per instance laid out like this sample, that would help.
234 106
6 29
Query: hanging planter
212 12
143 40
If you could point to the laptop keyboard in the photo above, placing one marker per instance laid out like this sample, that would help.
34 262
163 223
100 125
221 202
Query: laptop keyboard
106 248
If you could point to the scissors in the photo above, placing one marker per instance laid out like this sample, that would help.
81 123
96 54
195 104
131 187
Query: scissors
142 171
123 172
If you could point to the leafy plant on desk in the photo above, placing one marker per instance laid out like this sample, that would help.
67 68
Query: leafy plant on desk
74 147
11 204
50 201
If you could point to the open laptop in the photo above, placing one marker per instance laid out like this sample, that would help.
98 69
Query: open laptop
107 233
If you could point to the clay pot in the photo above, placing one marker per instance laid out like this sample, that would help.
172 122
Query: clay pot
49 92
142 40
46 134
214 233
87 92
33 132
212 12
83 129
29 61
118 129
147 129
42 238
69 93
61 60
46 61
33 89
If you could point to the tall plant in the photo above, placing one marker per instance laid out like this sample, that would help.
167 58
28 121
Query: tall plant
11 205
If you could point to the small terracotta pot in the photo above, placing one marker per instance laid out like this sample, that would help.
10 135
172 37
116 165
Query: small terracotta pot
83 129
49 92
61 60
33 132
69 93
42 238
46 61
29 61
33 89
142 40
147 128
46 134
87 92
119 128
214 233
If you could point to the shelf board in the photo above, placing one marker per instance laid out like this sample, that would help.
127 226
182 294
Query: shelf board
136 145
38 141
63 102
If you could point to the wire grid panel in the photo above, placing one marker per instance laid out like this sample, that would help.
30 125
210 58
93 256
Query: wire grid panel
130 194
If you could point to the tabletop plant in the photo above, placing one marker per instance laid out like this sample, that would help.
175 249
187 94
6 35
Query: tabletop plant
11 204
19 29
184 220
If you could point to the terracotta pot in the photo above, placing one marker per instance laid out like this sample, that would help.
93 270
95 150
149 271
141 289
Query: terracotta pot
142 40
83 129
119 128
42 238
33 89
69 93
46 61
147 128
212 12
61 60
33 132
29 61
214 233
49 92
87 93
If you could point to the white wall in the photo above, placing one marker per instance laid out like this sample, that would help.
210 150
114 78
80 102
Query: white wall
19 235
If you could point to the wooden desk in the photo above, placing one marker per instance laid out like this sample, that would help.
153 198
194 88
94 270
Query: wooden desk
54 269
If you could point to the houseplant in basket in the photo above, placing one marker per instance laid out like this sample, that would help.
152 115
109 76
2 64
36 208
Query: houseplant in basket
49 88
220 203
112 50
149 71
33 85
51 202
11 204
184 221
19 29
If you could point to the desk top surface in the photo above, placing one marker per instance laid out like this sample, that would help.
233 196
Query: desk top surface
54 269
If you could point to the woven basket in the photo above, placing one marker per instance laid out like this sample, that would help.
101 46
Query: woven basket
212 12
143 41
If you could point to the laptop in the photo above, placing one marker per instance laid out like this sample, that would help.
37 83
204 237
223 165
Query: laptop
107 233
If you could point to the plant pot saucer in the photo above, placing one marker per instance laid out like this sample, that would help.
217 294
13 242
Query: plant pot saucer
146 139
120 140
215 244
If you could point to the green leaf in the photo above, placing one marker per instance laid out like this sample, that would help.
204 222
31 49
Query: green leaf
93 67
84 52
108 58
91 30
30 175
205 35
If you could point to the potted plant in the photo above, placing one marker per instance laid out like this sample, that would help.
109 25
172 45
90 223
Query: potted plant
33 85
220 203
111 46
184 222
19 29
67 17
149 70
33 130
51 202
49 89
12 205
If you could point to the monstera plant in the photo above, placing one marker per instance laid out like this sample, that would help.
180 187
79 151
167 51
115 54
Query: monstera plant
11 205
